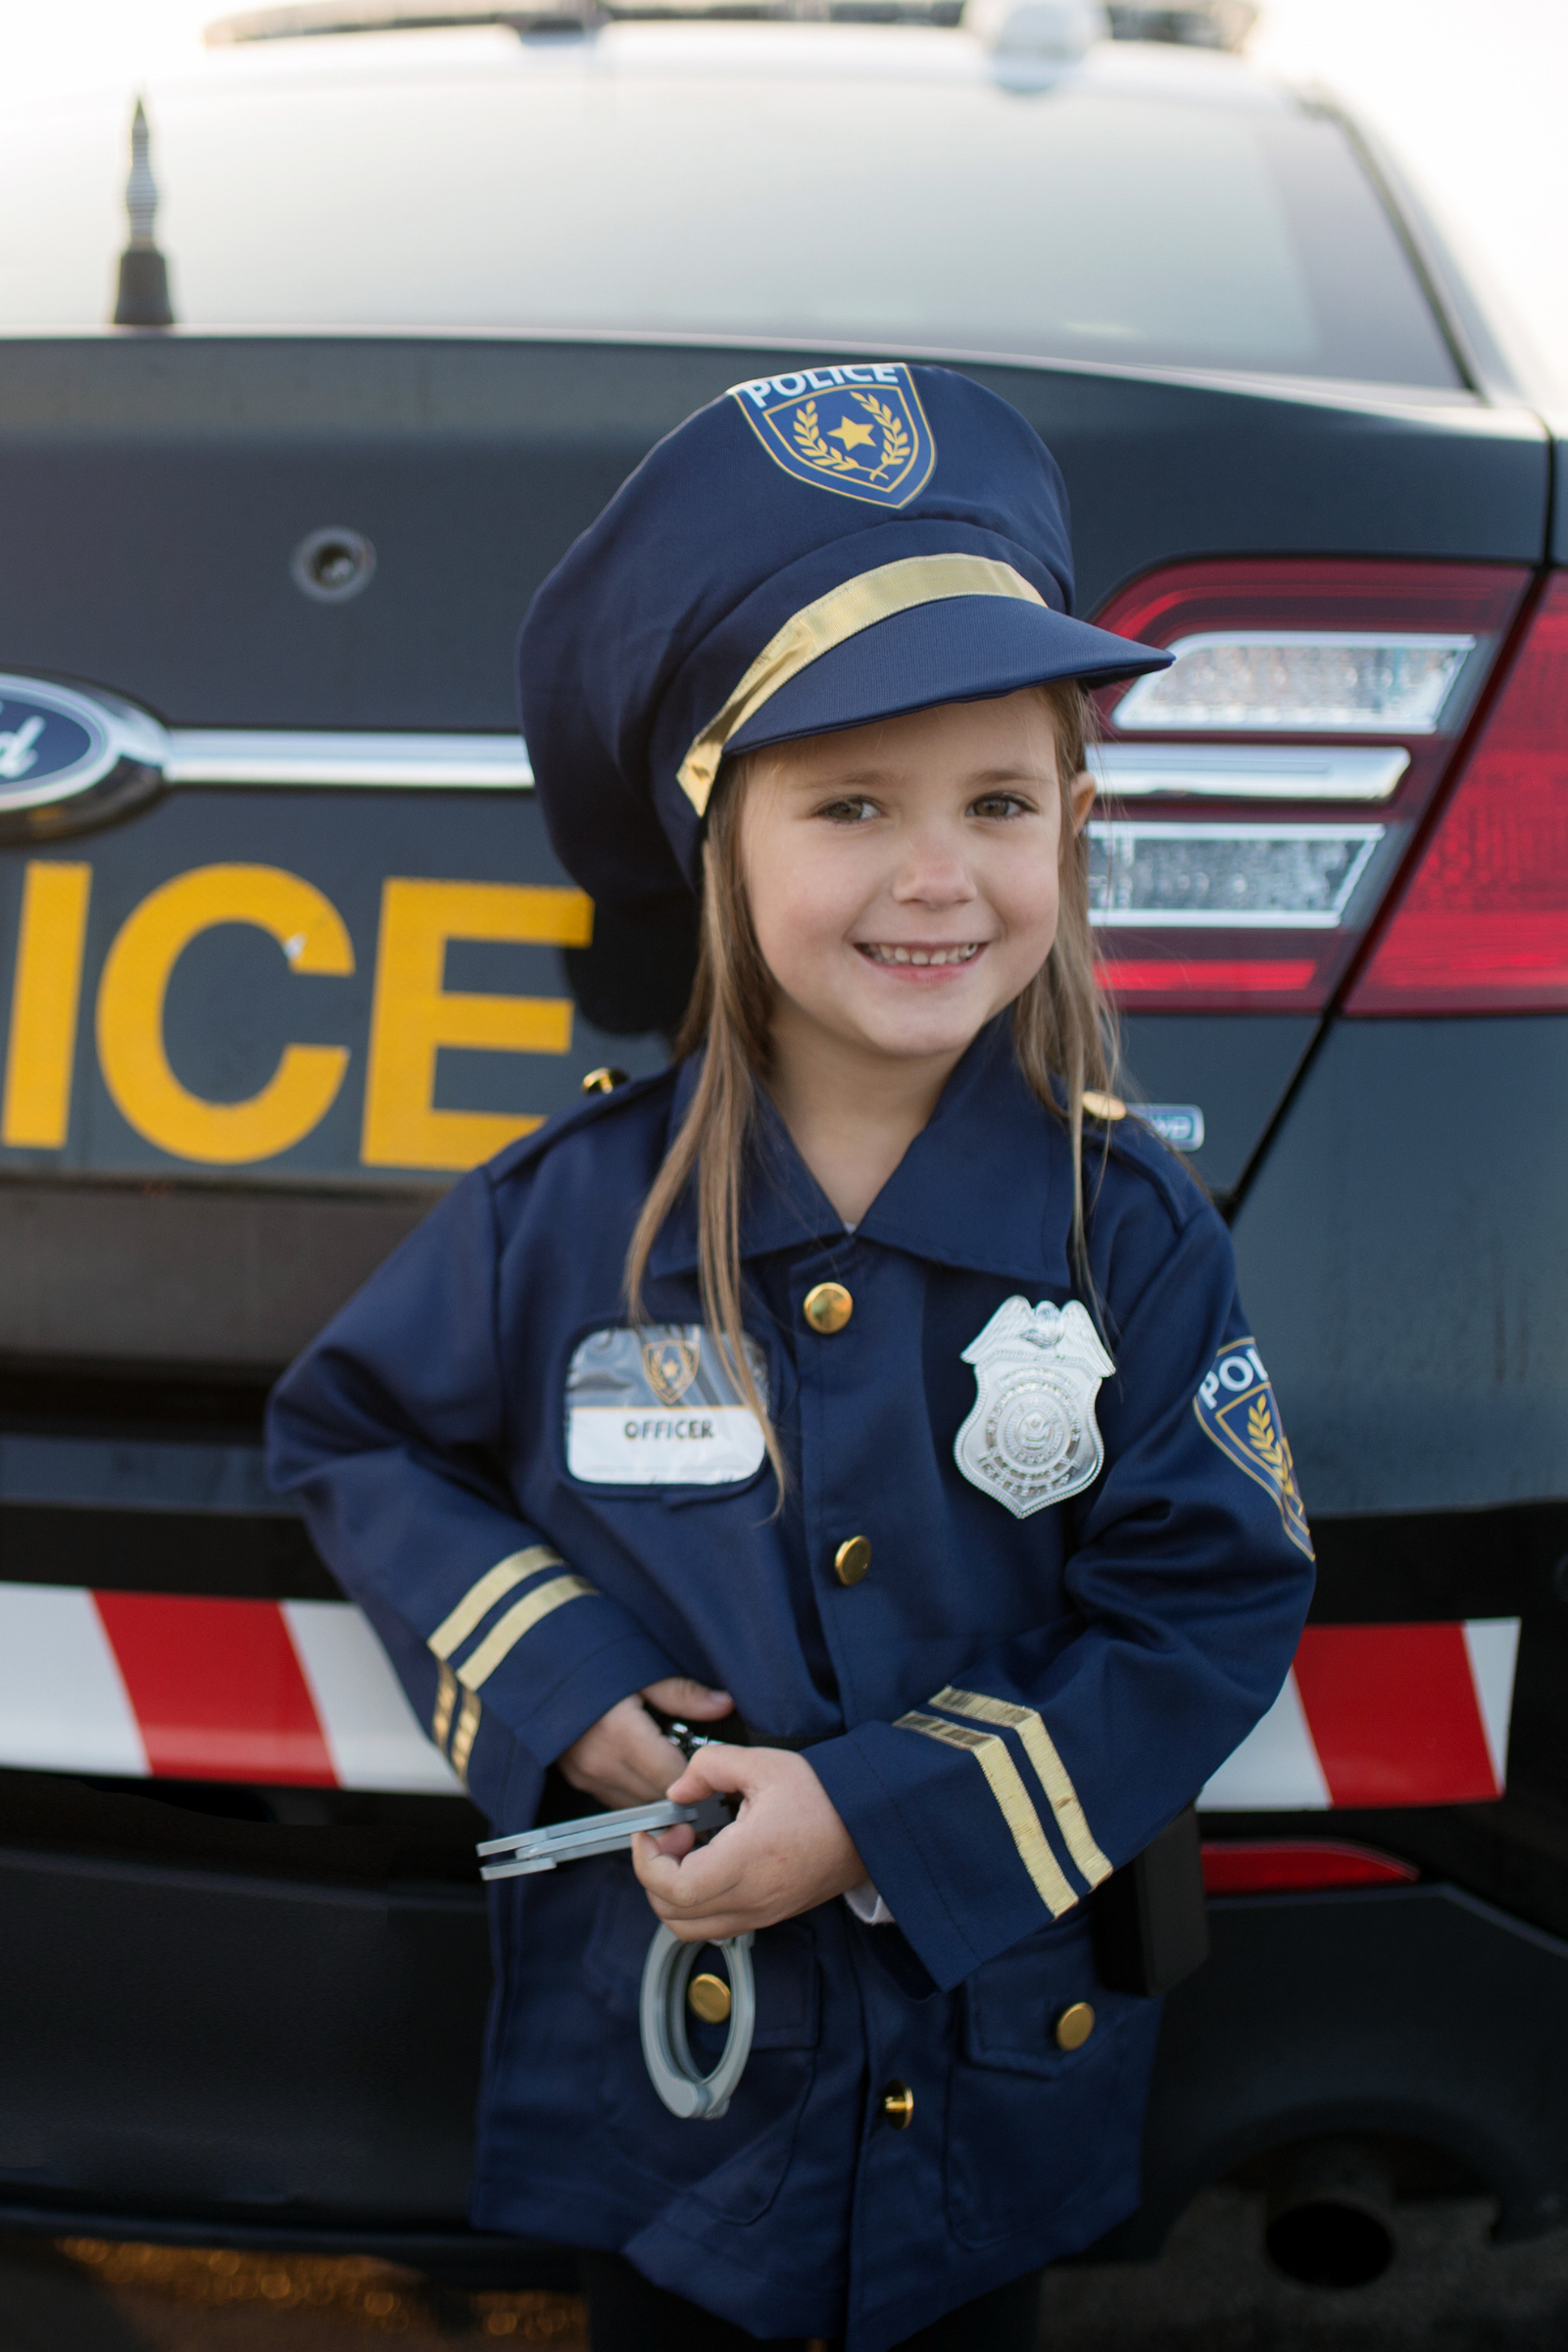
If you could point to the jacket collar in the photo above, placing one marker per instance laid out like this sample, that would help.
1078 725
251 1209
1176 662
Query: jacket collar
986 1185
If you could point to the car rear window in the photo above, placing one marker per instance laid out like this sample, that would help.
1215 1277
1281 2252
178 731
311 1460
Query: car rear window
578 185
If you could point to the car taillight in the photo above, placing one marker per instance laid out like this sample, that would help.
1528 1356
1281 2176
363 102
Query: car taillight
1289 1865
1259 795
1483 924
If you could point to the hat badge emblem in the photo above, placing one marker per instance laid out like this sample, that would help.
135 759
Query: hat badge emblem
1032 1438
860 430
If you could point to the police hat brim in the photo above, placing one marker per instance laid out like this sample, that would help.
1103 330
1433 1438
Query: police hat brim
963 648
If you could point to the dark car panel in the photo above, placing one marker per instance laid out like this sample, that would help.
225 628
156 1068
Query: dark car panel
1403 1246
199 463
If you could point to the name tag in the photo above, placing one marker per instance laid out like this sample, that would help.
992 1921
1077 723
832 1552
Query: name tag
657 1406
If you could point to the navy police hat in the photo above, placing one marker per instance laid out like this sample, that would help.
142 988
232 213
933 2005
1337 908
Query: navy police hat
810 552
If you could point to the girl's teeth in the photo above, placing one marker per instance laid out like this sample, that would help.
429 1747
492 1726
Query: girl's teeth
924 954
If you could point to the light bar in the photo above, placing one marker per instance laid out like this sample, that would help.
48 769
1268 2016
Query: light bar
1348 681
1253 877
1233 771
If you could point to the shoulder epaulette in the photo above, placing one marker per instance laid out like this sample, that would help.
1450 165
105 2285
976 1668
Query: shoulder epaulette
1131 1141
603 1102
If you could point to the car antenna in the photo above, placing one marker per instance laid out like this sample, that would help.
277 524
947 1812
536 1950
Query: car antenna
142 296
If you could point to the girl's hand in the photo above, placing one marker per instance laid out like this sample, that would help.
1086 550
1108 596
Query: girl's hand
624 1758
786 1851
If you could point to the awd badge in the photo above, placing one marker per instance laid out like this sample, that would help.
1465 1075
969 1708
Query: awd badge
1032 1438
1235 1406
860 430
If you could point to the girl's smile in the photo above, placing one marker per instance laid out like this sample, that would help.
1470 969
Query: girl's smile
922 955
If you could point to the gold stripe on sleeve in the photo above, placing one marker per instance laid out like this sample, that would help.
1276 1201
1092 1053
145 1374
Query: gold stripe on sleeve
1042 1752
480 1599
990 1752
446 1698
843 612
520 1619
463 1737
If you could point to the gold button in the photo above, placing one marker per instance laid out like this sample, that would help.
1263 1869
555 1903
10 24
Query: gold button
828 1307
1109 1107
604 1081
898 2105
709 1997
1074 2025
852 1559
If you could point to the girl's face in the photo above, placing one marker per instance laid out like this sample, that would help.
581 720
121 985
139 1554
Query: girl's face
904 877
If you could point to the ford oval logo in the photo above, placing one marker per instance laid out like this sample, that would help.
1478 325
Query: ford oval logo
56 742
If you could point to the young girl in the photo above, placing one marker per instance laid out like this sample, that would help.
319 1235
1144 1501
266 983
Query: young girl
863 1387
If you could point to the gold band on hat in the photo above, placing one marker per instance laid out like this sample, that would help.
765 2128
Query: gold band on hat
855 605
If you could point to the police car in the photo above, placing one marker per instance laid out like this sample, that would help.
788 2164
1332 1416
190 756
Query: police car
284 948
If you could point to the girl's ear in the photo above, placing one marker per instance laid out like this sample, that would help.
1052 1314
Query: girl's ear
1082 796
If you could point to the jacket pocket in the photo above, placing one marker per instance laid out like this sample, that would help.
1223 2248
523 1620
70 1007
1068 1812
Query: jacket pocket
736 2165
1034 2127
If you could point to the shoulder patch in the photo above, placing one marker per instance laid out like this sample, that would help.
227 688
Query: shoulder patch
1236 1407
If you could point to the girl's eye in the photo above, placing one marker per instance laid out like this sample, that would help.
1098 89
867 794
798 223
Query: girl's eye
1000 804
849 811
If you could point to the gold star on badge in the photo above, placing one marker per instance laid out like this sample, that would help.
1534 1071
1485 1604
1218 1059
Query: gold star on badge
852 434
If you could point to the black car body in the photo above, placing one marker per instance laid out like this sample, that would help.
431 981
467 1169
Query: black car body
285 946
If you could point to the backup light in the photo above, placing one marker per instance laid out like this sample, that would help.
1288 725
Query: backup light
1347 681
1232 877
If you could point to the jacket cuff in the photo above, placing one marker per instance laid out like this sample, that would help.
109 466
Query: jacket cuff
884 1820
570 1667
588 1688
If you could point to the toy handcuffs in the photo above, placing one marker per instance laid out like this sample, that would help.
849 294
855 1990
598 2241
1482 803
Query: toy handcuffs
666 1971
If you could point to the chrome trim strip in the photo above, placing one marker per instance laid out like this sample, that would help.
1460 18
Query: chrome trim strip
332 761
1238 771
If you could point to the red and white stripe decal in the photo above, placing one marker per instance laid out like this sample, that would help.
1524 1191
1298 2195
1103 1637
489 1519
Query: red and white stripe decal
1381 1715
157 1685
151 1684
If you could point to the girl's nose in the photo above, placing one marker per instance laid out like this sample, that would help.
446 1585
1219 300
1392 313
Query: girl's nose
934 872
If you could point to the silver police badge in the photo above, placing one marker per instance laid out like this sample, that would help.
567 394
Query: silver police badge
1032 1438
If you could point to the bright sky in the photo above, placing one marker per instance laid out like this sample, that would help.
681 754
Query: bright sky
1471 93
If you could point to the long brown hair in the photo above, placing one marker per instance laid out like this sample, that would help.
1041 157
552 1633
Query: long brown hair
1063 1035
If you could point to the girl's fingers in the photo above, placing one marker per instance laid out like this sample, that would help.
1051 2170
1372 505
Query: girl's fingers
676 1843
720 1771
696 1883
645 1754
679 1696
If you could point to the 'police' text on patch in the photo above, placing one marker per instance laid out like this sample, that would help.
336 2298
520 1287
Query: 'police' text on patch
1235 1406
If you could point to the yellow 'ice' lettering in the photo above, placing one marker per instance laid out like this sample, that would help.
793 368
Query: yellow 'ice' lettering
41 1050
414 1014
131 1013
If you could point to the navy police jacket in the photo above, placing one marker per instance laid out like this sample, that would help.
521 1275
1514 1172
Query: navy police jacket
1082 1590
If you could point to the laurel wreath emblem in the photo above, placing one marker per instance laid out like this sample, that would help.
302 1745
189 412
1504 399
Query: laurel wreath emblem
897 444
1266 1442
814 449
